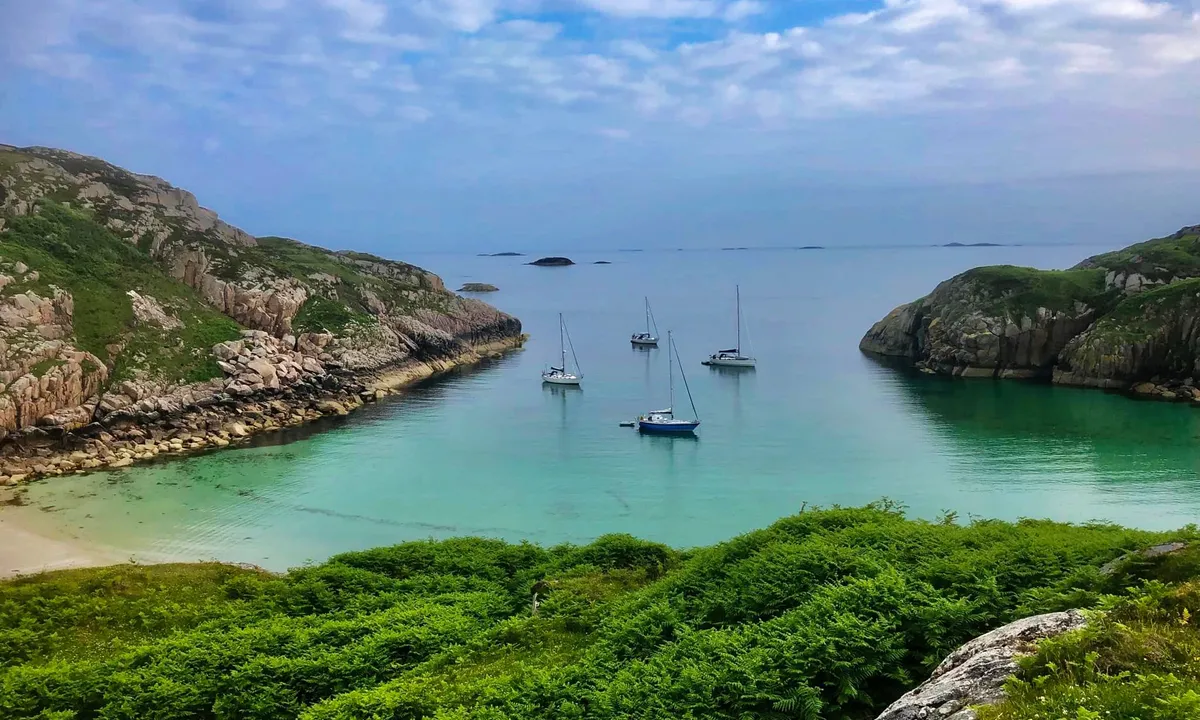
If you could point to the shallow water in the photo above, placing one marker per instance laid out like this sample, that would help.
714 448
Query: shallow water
490 451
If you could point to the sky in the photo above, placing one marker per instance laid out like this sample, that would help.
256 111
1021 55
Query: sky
474 125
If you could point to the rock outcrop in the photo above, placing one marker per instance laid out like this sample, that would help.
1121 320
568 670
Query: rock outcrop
975 674
168 286
991 322
1126 319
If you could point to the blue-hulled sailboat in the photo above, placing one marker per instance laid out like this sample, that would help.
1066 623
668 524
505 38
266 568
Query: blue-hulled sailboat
664 422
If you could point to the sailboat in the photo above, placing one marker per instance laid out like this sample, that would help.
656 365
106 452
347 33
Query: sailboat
558 375
664 422
734 356
646 338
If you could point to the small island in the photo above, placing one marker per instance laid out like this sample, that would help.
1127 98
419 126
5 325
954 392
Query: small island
602 262
507 254
813 247
553 262
982 244
478 288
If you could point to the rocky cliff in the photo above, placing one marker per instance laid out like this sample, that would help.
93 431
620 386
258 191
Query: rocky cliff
1116 320
119 291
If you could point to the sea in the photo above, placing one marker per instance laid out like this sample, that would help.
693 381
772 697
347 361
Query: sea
490 451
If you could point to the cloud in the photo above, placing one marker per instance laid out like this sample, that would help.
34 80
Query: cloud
630 67
360 15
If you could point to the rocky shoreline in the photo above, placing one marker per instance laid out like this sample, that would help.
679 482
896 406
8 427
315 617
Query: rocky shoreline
270 386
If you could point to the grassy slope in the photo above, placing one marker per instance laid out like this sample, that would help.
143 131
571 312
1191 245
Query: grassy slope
70 250
1145 315
1159 259
830 613
1021 291
339 286
333 306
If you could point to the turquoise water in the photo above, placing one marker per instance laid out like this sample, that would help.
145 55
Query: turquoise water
490 451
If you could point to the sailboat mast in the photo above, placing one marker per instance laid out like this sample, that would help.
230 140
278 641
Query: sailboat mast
671 370
687 387
647 315
738 291
562 349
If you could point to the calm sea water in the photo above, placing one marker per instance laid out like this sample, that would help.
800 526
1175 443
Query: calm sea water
490 451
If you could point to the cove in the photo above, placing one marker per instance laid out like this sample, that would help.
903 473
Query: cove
489 451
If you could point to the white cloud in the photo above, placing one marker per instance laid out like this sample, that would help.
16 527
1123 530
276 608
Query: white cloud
654 8
615 133
360 15
465 15
741 9
510 62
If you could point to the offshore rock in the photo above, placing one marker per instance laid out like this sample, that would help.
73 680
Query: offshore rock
975 674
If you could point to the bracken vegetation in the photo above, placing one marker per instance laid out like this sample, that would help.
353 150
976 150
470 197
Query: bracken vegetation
826 614
71 251
1138 658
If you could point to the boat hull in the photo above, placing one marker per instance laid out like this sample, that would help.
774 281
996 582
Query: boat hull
561 379
668 428
730 362
652 342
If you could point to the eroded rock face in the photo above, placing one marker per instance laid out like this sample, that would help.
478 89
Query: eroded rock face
975 673
1158 337
261 303
964 328
41 371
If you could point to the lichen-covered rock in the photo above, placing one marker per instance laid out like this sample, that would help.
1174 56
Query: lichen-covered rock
975 674
1152 333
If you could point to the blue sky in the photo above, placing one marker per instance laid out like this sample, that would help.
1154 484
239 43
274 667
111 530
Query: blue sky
570 124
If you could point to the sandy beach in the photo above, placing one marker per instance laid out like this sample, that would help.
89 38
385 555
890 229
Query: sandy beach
24 550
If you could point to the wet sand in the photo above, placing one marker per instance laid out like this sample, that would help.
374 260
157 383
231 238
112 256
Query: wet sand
24 550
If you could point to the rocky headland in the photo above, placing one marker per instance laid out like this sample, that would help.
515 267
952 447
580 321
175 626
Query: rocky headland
134 322
1125 320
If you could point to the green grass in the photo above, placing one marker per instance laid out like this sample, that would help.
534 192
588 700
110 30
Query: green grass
72 251
829 614
45 366
320 314
1160 259
1022 290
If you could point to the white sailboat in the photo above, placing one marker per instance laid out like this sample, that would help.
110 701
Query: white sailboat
664 422
733 357
558 375
647 338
